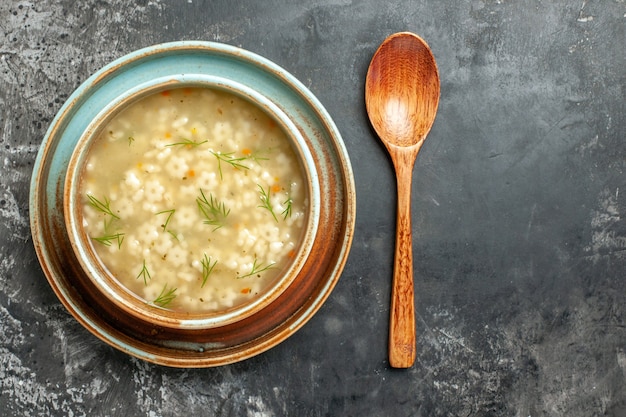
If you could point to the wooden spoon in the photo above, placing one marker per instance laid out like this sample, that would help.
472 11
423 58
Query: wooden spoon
401 96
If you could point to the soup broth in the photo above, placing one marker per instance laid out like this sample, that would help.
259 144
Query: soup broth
194 199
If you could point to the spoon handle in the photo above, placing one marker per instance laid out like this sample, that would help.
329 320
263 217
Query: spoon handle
402 319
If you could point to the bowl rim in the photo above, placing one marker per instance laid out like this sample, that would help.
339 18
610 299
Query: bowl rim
104 280
242 340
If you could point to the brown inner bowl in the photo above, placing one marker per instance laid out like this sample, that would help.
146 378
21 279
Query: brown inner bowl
128 311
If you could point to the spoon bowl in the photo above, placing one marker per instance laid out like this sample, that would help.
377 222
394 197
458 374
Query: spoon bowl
401 96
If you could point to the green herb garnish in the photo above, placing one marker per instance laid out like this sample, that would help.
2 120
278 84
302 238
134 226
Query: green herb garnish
165 297
107 240
257 268
130 140
214 211
264 195
287 211
207 268
187 142
169 217
229 159
103 207
256 157
144 273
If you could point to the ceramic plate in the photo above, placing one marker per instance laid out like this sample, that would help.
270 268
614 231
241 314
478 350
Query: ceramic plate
239 340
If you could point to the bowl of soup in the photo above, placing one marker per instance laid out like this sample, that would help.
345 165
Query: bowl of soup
192 204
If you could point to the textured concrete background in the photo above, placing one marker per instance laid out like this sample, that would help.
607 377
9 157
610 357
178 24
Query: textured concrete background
519 194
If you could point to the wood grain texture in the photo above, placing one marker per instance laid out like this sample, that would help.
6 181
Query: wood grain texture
401 97
402 313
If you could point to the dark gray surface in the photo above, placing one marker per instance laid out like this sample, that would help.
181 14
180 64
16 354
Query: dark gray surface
518 203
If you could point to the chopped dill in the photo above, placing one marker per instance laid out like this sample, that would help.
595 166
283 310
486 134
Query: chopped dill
144 273
287 211
257 268
214 211
169 217
264 195
207 268
108 240
187 142
165 297
228 158
103 207
256 157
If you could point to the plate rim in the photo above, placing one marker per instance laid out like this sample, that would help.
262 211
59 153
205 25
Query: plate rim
40 222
